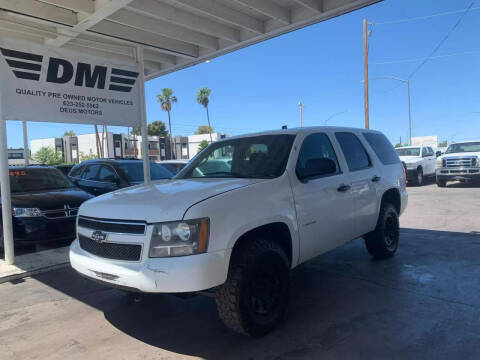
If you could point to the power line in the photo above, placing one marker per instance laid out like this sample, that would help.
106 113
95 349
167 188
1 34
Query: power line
435 49
420 59
399 21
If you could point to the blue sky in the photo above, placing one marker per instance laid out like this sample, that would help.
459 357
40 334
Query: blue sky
258 88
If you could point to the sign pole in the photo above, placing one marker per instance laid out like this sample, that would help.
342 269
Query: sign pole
25 143
143 117
5 194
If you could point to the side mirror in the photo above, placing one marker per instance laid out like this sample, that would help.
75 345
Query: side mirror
317 167
438 153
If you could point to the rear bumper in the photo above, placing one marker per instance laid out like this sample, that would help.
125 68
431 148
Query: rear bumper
448 174
154 275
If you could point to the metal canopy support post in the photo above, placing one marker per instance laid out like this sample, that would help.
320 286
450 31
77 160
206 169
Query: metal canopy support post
5 194
25 143
143 117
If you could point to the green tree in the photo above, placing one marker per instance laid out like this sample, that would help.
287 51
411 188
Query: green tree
203 144
203 98
155 128
443 143
398 145
166 99
204 129
82 156
69 133
48 156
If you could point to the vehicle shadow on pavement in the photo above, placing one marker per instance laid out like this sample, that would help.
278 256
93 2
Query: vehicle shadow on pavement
422 303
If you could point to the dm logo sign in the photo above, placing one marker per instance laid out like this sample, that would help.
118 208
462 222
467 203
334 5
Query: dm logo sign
50 84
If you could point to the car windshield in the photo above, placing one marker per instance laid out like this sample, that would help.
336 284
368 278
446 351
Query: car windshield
415 151
174 168
249 157
134 171
31 179
463 147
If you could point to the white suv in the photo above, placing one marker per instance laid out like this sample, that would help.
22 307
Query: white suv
241 214
419 162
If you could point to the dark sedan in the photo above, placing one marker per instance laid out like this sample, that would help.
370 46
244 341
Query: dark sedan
100 176
44 205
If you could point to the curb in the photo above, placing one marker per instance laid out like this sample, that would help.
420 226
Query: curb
29 273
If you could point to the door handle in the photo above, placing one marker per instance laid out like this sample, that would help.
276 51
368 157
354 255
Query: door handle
344 188
376 178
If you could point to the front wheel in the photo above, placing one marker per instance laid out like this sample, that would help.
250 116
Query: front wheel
383 241
441 183
254 298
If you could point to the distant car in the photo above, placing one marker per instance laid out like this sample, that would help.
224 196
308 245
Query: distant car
44 205
65 169
419 162
174 166
100 176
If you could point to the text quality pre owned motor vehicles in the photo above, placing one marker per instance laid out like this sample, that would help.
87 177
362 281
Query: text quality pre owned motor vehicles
269 202
44 205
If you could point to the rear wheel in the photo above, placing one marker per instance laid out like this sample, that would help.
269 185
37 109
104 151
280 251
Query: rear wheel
419 177
383 241
441 183
254 298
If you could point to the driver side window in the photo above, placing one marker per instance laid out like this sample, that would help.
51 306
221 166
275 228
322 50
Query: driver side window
315 151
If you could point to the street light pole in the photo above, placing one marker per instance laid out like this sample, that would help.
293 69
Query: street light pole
405 81
301 106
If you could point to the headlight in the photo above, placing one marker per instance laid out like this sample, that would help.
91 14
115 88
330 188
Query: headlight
179 238
438 164
26 212
411 165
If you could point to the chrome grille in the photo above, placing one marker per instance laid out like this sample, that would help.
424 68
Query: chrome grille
460 162
115 251
67 211
112 226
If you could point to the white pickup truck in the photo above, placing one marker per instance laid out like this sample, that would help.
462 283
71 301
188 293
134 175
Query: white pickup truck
243 213
419 162
461 162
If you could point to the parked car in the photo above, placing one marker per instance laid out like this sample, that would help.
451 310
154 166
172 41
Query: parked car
64 168
461 162
100 176
419 162
44 205
174 166
286 197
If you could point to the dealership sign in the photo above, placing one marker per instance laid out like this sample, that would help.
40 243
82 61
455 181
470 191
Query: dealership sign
49 84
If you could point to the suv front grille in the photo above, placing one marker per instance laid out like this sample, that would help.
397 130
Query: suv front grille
113 226
462 162
108 250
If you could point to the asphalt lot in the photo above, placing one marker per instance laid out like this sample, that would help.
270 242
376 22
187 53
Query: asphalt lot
422 304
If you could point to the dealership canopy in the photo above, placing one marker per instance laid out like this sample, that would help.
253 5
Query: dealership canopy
173 33
85 61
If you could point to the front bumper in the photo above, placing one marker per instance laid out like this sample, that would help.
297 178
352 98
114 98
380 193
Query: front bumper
458 174
37 230
155 275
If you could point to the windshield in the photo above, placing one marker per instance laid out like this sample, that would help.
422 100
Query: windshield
31 179
408 151
249 157
134 171
463 147
174 168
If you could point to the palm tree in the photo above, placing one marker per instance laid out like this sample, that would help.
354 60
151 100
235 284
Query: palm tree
203 99
166 99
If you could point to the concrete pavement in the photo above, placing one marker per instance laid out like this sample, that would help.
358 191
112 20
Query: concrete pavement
421 304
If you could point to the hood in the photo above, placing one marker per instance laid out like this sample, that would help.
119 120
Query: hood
410 159
166 200
51 199
460 154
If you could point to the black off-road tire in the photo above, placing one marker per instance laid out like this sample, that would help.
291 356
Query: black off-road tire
254 298
441 183
383 241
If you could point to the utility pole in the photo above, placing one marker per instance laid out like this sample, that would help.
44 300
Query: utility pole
365 73
301 106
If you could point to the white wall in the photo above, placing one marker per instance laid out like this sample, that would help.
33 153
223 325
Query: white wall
87 144
36 145
195 140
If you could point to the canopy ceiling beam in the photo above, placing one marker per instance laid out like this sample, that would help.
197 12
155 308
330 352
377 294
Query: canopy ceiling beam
268 8
85 6
315 5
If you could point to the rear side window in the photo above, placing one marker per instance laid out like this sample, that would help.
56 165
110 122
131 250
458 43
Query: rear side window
382 147
355 154
76 171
